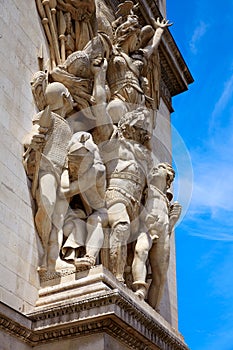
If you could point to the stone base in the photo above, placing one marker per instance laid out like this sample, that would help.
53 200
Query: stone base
89 310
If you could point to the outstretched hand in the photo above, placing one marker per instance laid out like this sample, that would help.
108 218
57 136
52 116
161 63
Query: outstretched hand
160 23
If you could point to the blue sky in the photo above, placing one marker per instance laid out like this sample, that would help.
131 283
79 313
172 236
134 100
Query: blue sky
203 118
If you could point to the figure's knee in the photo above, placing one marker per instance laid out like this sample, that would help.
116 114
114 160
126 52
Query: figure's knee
142 249
67 229
46 207
43 219
159 271
141 253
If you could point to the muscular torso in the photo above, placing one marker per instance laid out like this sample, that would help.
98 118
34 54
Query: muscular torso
156 213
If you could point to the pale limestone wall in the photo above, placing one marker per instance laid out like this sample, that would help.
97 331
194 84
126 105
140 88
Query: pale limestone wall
162 149
162 135
21 36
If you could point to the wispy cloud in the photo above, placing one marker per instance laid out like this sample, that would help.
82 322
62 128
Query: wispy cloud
224 99
210 211
213 186
212 230
198 33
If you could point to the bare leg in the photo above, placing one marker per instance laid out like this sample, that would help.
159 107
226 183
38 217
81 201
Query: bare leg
159 261
120 224
56 237
95 235
46 204
93 241
139 269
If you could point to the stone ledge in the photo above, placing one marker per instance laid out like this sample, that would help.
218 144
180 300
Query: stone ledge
15 323
113 310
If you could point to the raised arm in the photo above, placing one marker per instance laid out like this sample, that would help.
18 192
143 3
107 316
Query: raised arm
103 120
159 27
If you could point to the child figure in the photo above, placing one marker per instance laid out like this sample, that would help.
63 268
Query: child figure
158 220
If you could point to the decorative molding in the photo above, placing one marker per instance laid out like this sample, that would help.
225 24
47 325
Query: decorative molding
117 312
16 324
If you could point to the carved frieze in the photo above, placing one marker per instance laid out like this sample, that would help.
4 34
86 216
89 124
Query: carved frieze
98 195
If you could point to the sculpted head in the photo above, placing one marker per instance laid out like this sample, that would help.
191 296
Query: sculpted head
58 97
162 176
136 125
39 78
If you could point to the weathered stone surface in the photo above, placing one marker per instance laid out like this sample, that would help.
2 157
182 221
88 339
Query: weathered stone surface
87 301
21 36
102 316
70 174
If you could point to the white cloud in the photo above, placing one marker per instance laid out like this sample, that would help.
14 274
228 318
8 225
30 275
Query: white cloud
199 31
204 184
210 212
223 101
212 230
213 189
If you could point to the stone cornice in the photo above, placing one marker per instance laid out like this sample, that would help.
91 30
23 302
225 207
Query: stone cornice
117 312
15 323
158 337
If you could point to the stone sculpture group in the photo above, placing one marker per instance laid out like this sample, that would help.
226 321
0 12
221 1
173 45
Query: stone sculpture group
89 156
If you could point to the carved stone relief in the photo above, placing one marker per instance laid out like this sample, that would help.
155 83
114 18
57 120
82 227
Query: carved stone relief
96 189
